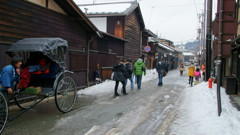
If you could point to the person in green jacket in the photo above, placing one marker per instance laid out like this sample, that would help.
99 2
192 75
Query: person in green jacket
139 69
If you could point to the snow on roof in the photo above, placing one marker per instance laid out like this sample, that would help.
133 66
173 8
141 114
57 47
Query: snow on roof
106 8
81 2
165 46
188 54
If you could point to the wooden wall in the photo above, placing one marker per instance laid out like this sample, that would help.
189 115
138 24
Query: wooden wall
132 33
115 28
102 58
21 19
117 46
108 42
105 61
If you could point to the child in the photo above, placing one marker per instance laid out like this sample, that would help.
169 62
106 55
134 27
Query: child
197 75
181 69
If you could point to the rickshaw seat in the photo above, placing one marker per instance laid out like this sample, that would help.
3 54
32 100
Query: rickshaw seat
45 80
53 71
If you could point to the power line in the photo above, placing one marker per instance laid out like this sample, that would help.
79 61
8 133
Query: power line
196 6
150 16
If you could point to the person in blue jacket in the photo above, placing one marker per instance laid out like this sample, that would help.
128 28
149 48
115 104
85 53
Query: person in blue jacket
10 74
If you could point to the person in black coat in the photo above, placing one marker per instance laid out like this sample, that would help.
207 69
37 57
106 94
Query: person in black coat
166 66
161 69
118 76
128 74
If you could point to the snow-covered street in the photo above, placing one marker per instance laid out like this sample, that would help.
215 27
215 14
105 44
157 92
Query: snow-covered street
146 111
172 109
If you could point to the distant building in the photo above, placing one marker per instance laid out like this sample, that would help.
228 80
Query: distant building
160 51
167 42
123 20
188 56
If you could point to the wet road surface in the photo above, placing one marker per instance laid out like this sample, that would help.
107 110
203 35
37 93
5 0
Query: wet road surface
148 111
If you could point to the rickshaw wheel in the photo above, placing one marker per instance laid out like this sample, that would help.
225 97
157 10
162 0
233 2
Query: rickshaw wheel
3 112
25 101
65 94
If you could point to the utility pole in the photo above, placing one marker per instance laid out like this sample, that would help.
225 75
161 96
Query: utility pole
203 46
220 57
208 40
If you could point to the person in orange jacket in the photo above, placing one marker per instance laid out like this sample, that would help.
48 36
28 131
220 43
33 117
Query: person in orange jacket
191 69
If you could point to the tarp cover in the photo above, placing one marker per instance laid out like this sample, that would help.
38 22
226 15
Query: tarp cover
54 48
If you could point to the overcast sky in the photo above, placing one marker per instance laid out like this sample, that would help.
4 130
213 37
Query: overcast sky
175 20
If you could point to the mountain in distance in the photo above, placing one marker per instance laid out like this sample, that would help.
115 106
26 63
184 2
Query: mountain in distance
192 46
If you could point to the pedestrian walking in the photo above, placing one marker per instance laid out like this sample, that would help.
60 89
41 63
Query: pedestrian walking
203 71
166 65
118 76
191 69
181 68
161 69
97 75
128 67
197 75
139 70
10 74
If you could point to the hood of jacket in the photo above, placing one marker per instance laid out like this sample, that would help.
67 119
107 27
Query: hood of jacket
139 62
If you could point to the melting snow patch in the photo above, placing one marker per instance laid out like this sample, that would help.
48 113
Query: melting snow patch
166 96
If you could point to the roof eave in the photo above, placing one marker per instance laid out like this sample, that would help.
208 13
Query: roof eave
79 12
113 36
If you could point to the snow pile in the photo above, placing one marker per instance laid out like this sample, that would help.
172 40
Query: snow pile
105 87
108 85
198 113
150 75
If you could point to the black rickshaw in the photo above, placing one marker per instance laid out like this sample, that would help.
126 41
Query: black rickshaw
57 84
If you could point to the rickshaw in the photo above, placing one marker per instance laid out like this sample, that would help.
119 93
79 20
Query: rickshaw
57 84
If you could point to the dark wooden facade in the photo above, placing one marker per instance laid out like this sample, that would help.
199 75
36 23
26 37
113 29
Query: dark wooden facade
103 61
229 28
129 26
132 32
104 52
21 19
229 32
235 57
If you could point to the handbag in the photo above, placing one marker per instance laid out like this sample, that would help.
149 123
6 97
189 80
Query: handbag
163 73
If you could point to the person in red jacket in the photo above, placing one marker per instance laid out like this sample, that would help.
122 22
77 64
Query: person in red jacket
26 73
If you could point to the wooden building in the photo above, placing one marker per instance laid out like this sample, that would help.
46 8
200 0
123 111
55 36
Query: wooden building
50 18
235 64
149 57
123 20
160 51
167 42
229 32
103 54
